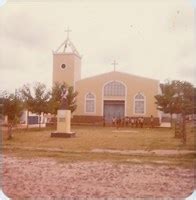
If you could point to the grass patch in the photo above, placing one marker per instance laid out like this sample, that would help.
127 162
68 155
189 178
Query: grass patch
182 161
89 138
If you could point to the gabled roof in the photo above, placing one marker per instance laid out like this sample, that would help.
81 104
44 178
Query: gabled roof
116 72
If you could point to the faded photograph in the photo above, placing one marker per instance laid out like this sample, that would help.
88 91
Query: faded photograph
97 99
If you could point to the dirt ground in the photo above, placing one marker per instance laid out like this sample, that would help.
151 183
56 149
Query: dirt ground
46 178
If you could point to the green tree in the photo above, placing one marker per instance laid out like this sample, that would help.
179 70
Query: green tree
56 97
27 98
55 100
71 99
40 99
184 97
184 101
194 100
1 104
177 97
166 101
12 107
36 99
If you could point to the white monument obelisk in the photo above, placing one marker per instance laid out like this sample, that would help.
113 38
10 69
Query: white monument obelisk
64 121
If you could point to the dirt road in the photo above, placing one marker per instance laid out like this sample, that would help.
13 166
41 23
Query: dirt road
46 178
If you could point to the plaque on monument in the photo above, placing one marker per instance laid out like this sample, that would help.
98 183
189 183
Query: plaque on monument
63 124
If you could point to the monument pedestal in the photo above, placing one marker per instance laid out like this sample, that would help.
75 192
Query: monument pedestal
63 125
63 135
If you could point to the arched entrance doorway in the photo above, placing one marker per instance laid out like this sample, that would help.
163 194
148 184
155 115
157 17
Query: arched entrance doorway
114 93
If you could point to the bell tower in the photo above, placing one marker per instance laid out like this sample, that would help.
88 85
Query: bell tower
66 63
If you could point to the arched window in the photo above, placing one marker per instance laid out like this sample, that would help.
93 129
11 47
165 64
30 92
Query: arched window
90 103
139 104
114 88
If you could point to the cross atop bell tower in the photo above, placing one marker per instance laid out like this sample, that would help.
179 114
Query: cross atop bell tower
67 46
67 31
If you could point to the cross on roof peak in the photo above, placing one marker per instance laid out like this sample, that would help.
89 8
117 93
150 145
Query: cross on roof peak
114 63
67 30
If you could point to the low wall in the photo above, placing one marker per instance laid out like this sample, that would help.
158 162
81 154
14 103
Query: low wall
82 119
98 120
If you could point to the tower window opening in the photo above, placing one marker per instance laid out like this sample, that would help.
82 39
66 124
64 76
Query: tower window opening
63 66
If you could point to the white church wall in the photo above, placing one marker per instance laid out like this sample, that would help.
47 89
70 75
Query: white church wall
134 85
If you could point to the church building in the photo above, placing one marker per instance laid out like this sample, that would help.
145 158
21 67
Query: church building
112 94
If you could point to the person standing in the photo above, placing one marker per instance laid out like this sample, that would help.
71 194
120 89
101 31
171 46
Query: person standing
103 121
132 122
136 122
141 122
126 121
151 121
118 122
113 121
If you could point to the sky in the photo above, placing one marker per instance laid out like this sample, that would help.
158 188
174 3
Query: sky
149 38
